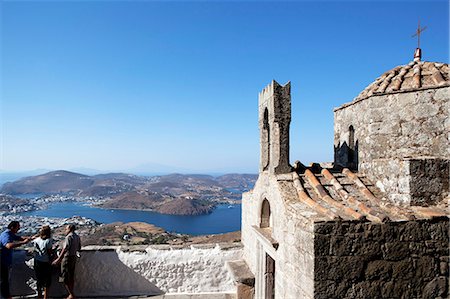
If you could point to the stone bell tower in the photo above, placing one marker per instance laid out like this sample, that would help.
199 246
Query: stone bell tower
274 122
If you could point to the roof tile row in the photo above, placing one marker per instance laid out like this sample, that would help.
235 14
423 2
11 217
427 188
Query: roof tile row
352 199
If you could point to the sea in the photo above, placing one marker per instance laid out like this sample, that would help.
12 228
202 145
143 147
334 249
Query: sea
223 219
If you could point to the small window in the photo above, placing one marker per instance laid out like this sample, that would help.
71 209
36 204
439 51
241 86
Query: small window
265 214
266 119
351 138
352 149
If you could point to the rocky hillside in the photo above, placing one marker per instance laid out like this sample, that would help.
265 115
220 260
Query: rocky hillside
132 233
139 233
156 202
183 206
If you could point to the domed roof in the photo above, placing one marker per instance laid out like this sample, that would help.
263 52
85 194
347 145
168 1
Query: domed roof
417 75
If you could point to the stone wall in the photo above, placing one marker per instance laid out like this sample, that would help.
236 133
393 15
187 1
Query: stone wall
103 271
388 129
391 176
297 255
291 226
390 260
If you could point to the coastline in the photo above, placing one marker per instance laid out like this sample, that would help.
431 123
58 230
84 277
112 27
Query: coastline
151 210
155 211
220 220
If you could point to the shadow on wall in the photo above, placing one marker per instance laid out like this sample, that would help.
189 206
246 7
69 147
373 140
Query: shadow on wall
99 273
347 156
22 276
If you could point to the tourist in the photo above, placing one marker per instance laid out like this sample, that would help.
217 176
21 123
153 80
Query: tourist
43 252
8 241
68 258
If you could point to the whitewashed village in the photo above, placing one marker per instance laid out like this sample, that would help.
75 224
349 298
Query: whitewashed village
372 224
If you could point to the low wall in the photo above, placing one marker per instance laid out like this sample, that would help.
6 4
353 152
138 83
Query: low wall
137 270
193 270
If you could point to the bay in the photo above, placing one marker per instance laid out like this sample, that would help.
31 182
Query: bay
223 219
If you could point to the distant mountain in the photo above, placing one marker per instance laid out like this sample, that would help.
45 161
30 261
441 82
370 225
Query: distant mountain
59 181
85 170
11 176
183 181
120 177
152 169
179 194
62 181
236 181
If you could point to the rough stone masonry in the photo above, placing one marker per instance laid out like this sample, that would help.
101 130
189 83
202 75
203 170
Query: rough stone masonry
375 223
396 132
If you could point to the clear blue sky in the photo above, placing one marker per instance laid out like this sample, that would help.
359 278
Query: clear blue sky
122 85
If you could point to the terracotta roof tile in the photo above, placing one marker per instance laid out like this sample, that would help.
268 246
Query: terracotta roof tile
417 75
345 194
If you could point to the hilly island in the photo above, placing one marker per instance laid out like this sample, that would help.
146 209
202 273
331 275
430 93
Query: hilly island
175 194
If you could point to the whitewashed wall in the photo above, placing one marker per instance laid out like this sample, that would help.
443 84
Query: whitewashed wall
191 270
147 271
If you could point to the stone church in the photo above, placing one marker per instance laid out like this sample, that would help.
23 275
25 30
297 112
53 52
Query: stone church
373 224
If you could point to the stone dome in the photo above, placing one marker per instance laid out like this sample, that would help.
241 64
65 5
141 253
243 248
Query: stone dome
416 75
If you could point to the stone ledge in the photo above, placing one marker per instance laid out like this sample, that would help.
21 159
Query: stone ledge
99 248
284 177
264 235
241 272
222 246
144 248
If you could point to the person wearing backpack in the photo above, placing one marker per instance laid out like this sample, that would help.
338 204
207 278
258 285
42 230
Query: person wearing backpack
43 252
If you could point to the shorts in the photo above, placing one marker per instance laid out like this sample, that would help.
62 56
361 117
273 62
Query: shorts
68 269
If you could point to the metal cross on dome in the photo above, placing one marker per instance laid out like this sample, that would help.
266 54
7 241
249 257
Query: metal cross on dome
418 32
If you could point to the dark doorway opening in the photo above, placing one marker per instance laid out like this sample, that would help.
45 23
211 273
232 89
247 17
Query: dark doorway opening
269 276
